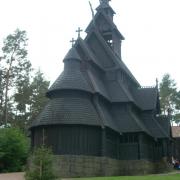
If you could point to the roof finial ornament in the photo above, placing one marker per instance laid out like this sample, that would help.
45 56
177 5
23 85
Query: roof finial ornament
72 41
79 32
92 11
157 82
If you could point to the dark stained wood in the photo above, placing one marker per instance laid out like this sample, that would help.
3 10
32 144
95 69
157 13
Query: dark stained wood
97 107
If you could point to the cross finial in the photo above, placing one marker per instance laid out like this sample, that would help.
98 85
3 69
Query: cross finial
79 32
73 41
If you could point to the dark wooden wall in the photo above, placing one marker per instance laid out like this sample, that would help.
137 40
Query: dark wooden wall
176 148
152 149
75 140
94 141
124 146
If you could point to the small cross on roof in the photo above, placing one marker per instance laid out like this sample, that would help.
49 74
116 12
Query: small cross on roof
73 41
79 32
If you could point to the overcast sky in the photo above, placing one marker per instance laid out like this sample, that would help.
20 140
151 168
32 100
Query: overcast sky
151 29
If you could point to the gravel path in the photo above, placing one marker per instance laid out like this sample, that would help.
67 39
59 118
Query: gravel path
12 176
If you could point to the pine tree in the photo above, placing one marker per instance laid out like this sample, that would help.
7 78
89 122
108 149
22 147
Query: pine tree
39 87
15 67
40 167
170 98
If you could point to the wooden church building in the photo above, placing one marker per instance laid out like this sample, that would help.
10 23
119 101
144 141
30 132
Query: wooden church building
99 120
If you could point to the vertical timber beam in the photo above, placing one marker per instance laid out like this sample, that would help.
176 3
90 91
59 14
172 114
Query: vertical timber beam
164 146
103 143
140 141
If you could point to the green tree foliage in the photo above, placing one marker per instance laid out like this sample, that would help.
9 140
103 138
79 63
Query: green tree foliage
15 67
170 98
30 99
39 87
22 92
40 167
14 148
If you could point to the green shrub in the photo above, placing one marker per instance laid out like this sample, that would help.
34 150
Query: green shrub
14 147
40 165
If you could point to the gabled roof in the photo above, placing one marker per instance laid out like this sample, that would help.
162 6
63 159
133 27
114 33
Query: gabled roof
105 115
98 85
117 92
146 98
108 20
88 52
165 124
154 127
127 121
115 58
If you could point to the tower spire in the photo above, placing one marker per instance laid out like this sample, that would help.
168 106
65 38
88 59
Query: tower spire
104 1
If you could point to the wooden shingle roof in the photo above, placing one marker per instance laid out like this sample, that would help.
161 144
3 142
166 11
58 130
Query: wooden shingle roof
68 110
91 67
71 77
146 98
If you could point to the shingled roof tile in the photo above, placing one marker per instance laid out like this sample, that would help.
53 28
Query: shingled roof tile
146 98
72 77
68 111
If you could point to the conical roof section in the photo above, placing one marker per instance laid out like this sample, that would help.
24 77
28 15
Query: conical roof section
72 77
72 54
68 110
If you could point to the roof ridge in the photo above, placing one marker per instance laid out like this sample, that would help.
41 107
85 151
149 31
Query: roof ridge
125 90
95 87
114 57
91 55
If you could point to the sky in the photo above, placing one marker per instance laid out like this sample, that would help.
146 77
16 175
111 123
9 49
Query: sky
151 29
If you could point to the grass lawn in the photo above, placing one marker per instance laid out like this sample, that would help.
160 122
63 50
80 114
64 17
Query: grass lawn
150 177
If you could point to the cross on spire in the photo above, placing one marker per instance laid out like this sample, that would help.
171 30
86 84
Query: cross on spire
72 41
79 32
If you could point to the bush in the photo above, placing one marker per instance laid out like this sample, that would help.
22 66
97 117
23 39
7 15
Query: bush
40 167
14 147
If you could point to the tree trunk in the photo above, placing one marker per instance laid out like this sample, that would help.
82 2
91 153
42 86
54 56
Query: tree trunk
6 93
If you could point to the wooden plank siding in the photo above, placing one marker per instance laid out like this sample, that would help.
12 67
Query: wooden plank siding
95 141
74 140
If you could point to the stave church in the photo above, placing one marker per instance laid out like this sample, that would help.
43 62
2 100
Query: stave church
99 120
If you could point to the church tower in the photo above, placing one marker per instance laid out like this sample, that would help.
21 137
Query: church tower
99 121
103 21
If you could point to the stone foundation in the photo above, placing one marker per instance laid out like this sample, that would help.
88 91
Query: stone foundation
89 166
